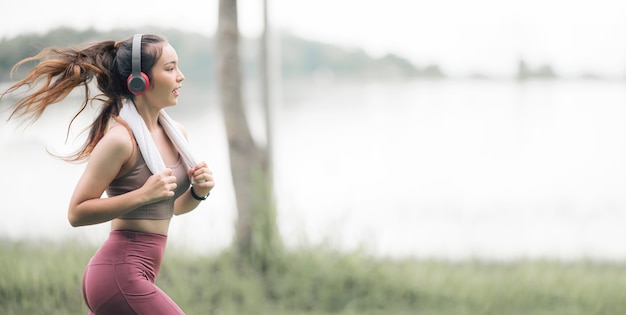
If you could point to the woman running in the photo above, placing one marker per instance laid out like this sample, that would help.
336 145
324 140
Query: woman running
135 155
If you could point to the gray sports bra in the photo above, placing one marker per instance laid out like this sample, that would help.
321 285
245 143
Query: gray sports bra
136 177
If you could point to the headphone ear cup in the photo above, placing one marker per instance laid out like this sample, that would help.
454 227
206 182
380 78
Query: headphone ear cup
138 85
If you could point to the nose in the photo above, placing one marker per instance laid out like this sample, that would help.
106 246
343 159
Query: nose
181 76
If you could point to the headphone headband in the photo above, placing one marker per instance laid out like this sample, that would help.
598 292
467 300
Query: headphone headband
136 51
137 81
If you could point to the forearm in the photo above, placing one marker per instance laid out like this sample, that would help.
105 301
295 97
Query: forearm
186 203
100 210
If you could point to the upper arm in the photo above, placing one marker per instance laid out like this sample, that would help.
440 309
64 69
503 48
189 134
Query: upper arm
107 159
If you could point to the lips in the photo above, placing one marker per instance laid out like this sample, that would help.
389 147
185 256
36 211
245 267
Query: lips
175 92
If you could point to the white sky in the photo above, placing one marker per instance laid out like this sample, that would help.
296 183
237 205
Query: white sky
462 36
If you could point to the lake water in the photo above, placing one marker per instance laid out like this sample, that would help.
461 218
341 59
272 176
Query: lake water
433 169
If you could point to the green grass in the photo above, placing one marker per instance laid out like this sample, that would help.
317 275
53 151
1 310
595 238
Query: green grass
46 279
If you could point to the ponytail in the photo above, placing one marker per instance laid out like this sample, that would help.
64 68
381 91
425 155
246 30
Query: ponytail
59 72
62 71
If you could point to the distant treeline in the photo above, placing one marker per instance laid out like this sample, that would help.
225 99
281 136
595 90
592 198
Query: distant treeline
299 57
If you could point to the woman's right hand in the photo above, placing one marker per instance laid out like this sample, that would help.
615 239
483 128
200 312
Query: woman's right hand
160 186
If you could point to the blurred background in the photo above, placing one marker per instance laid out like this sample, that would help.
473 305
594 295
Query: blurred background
446 129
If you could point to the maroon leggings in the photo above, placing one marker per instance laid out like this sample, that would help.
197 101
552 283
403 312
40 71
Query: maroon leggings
119 278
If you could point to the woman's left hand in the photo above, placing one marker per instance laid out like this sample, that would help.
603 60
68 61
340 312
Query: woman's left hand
201 178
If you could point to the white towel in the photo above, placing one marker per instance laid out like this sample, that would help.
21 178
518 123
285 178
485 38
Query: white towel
147 147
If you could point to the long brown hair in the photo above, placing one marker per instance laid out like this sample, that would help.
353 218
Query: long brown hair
61 70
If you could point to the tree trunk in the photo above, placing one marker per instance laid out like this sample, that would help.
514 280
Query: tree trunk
256 237
266 87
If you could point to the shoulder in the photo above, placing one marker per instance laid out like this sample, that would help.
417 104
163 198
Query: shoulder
118 141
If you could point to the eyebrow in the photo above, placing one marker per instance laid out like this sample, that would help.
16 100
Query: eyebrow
170 62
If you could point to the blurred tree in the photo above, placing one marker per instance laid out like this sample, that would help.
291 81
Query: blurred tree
523 70
256 234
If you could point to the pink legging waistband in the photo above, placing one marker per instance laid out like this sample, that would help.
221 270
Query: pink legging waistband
120 276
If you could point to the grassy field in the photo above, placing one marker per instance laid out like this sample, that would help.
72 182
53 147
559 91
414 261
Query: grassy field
46 279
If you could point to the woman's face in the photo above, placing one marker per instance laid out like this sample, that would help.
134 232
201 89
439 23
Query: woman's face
165 80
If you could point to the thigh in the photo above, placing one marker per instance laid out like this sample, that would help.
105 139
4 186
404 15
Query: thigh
141 294
102 293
